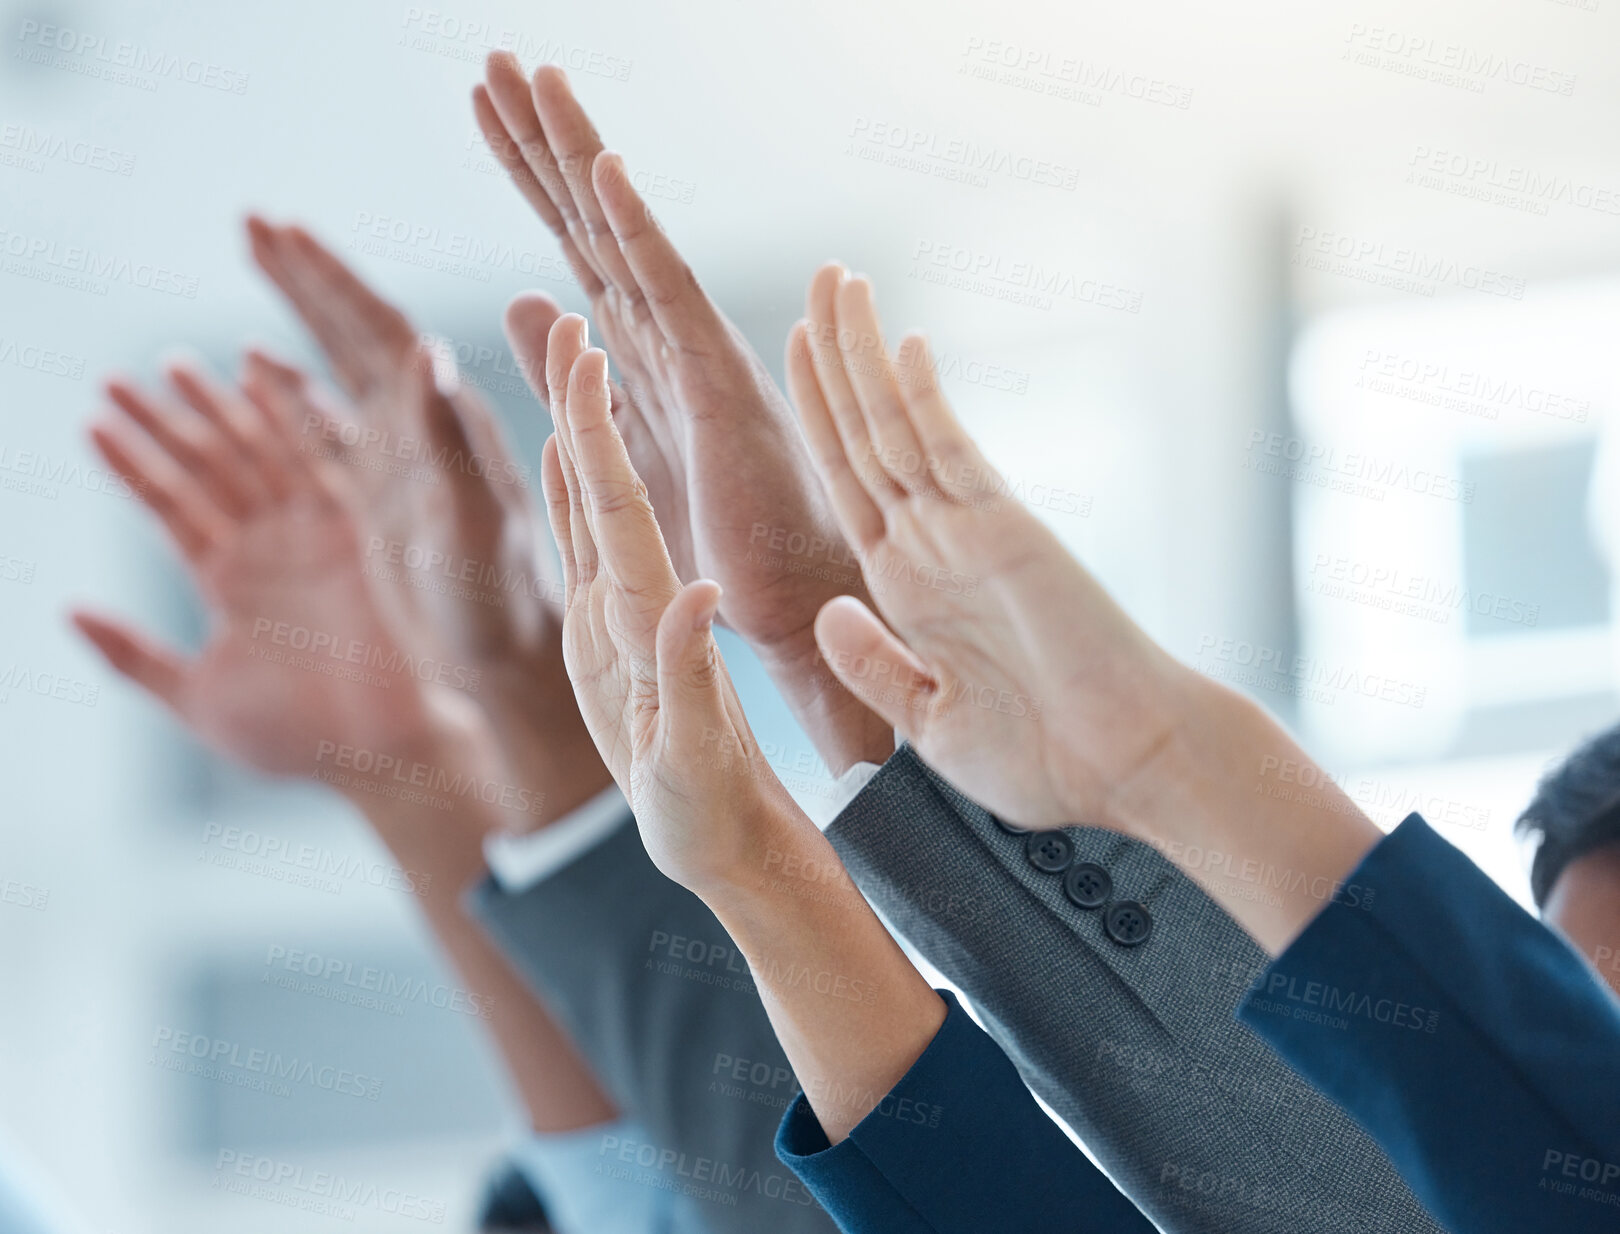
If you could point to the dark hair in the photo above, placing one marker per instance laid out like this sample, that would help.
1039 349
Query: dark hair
1576 810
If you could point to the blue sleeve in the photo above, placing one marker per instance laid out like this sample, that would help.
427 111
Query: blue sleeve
958 1145
1466 1037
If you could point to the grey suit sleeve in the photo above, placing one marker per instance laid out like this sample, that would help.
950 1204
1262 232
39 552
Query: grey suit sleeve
1132 1040
661 1003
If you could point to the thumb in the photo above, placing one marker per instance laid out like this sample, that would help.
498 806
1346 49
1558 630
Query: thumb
689 666
874 665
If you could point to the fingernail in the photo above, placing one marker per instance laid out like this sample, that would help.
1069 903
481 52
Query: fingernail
705 615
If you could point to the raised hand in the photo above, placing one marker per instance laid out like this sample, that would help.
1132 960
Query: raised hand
1005 663
1008 667
702 419
712 814
434 481
650 683
300 652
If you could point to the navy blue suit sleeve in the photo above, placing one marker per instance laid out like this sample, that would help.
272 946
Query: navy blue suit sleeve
958 1145
1465 1036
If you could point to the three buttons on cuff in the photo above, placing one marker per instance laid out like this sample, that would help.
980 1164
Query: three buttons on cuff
1086 884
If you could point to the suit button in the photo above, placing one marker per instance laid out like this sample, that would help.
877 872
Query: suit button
1009 828
1088 885
1128 923
1049 850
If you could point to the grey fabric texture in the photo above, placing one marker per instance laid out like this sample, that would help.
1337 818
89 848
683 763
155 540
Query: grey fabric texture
1137 1048
660 1002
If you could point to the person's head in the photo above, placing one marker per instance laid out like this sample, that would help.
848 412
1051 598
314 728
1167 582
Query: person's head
1574 819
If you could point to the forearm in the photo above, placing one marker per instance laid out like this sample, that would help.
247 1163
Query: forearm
1211 800
557 1087
850 1010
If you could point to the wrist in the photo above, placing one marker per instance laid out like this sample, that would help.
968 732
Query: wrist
784 859
844 730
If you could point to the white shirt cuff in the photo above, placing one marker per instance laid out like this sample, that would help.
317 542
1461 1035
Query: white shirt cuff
519 862
570 1173
823 809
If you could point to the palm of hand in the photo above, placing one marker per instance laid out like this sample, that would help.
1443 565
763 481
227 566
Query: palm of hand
292 613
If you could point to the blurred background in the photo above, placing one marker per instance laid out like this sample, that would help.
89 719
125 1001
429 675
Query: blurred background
1298 323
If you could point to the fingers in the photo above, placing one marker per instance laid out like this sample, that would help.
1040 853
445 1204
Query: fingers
558 511
857 513
866 362
507 104
689 664
621 517
821 308
293 265
528 322
194 447
575 144
953 457
236 421
180 502
565 345
874 665
661 282
156 669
